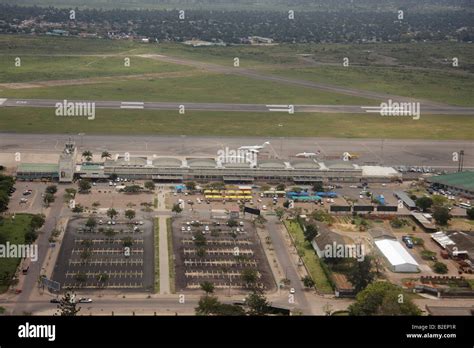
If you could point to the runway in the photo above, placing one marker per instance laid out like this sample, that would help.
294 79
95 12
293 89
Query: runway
438 154
228 107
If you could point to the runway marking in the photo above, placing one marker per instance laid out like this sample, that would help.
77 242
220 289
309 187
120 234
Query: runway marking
132 105
281 108
2 101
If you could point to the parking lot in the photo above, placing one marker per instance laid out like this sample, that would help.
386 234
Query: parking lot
100 258
212 251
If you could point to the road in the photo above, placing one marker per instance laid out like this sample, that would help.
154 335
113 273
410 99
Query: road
228 107
434 153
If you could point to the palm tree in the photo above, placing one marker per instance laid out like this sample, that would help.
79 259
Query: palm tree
207 287
87 155
105 154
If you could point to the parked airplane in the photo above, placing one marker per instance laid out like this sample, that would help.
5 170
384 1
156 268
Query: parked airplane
306 154
254 148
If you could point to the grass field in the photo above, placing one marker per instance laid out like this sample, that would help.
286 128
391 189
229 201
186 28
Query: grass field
42 68
13 230
440 86
309 256
43 120
201 87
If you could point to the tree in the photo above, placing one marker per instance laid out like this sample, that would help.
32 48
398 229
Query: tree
382 298
105 154
37 221
441 215
470 213
257 304
424 203
87 155
127 241
132 189
84 186
360 273
91 223
281 187
67 306
130 214
318 187
440 268
310 232
48 198
249 276
207 305
280 212
176 209
232 223
191 185
112 213
52 189
149 185
308 282
207 287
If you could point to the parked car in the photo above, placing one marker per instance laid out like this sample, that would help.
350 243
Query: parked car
85 300
54 300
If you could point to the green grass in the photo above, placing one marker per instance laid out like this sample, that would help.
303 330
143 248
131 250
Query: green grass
203 87
439 86
169 236
156 231
41 68
42 120
310 258
14 231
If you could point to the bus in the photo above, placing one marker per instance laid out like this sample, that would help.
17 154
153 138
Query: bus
465 205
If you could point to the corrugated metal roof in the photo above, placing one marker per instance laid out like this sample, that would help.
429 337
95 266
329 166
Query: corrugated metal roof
38 167
463 180
395 253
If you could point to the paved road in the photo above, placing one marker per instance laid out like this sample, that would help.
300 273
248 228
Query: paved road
139 105
288 264
390 151
30 281
163 250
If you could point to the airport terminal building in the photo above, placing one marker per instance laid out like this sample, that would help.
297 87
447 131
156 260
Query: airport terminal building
205 169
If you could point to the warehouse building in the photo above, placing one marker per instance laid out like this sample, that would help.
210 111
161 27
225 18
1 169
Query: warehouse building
461 183
399 259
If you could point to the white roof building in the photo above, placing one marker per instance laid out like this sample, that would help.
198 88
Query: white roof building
400 260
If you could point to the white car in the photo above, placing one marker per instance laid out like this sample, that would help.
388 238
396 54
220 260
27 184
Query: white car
109 222
113 222
189 229
292 290
100 222
264 207
111 183
85 300
183 229
206 228
241 223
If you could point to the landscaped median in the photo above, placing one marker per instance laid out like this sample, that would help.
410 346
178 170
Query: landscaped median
311 260
156 231
171 255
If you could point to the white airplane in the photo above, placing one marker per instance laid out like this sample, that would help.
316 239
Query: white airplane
306 154
254 148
